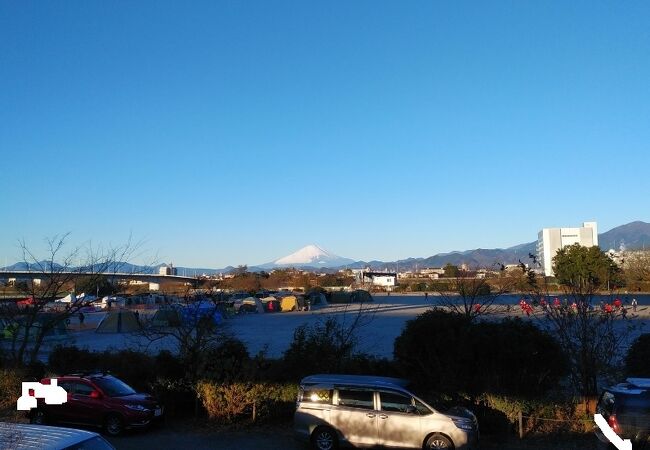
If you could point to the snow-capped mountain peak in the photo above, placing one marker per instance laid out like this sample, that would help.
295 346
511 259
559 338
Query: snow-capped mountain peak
314 256
306 255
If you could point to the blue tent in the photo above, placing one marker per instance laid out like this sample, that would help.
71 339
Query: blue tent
197 311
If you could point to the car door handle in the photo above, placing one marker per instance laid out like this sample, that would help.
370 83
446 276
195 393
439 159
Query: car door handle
371 415
383 416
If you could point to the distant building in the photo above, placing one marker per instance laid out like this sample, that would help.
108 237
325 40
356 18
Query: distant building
550 240
433 272
383 279
167 270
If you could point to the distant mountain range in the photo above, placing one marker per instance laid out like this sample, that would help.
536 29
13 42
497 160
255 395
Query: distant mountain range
634 235
631 236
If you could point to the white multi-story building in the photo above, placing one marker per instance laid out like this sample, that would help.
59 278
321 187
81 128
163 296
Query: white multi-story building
550 240
167 270
386 280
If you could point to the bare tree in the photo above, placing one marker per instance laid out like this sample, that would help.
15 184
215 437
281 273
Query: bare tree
473 292
593 336
636 266
192 326
31 320
328 344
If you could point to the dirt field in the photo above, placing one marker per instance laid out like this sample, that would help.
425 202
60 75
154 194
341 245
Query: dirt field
384 320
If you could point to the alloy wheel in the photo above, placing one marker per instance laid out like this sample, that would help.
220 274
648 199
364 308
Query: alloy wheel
324 440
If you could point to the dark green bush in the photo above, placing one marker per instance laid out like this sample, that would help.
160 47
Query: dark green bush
434 351
135 368
228 361
637 361
446 352
516 357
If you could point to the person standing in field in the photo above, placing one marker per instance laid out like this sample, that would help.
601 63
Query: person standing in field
634 304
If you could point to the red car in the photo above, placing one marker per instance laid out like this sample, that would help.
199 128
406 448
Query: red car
99 400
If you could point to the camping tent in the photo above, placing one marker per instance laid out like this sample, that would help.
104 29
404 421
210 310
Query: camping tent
357 296
271 304
56 328
250 304
316 300
167 317
194 312
123 321
109 302
292 303
81 298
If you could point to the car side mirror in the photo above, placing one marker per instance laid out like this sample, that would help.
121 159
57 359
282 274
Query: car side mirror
96 394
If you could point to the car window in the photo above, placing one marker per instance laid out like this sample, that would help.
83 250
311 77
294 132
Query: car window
82 389
113 387
422 408
356 398
392 401
317 395
67 385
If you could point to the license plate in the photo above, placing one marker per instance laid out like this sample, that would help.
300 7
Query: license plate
157 412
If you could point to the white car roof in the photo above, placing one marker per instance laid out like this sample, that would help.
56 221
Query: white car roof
363 380
26 436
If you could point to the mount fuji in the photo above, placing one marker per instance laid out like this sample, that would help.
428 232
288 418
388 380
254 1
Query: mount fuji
311 256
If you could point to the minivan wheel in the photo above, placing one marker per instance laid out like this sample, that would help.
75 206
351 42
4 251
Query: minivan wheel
114 425
438 441
324 438
37 417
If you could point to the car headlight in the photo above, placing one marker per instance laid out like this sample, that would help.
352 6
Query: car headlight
466 425
137 408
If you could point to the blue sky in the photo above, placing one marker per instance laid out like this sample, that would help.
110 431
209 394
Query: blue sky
237 132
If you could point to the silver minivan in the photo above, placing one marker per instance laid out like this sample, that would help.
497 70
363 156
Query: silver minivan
369 411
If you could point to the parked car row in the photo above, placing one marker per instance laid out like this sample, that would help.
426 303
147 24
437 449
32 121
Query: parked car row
331 411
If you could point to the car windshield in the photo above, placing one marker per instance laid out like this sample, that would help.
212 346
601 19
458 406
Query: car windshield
113 387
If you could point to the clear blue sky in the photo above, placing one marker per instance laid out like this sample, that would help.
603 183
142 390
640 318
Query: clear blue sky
237 132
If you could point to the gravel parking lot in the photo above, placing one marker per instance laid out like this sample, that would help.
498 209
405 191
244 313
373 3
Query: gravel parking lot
197 438
281 438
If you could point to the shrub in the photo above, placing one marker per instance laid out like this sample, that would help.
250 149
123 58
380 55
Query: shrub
322 347
227 361
448 352
637 361
516 357
135 368
71 359
434 351
10 389
542 415
228 402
